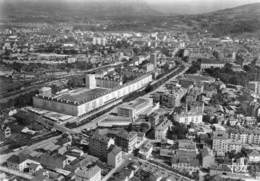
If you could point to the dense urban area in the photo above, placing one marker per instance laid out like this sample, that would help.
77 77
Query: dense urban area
112 100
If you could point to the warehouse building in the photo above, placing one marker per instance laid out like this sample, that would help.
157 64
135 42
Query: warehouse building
80 101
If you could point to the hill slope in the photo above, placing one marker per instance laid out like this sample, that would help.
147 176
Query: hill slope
238 20
83 9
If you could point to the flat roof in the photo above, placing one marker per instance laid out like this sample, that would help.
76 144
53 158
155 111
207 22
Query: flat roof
136 104
197 77
81 94
50 114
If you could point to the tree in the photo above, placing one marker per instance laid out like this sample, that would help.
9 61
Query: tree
195 67
54 88
178 131
216 54
17 66
165 51
206 119
75 82
227 68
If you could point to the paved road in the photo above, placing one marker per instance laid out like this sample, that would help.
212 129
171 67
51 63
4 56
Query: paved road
92 124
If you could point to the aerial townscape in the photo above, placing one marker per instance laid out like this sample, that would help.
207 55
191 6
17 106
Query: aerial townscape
133 90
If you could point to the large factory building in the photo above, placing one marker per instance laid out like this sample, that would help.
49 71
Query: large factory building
83 100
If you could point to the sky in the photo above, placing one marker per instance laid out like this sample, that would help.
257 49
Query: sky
196 6
176 6
204 1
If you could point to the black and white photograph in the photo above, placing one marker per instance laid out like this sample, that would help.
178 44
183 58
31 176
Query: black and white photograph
129 90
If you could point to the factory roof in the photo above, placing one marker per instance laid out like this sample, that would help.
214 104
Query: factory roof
81 94
137 104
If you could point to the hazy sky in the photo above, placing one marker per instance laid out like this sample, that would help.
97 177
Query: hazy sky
204 1
196 6
171 6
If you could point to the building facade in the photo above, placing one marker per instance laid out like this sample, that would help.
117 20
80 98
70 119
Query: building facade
189 117
99 145
161 129
222 144
108 83
127 141
90 81
115 157
133 109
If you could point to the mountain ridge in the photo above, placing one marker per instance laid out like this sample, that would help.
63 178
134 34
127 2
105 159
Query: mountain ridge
95 8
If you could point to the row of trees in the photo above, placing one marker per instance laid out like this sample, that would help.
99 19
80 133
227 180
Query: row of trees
20 101
228 76
34 67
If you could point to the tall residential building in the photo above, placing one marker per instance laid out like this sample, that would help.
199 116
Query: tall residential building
172 97
188 117
222 144
208 157
219 142
115 157
161 129
245 136
99 145
127 141
254 86
99 41
90 81
187 145
154 60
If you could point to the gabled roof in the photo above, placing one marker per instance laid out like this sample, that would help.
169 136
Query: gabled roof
115 150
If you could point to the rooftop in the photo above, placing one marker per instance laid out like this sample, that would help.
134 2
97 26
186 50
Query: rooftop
243 130
100 137
81 94
88 173
198 78
211 61
126 135
138 103
116 150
